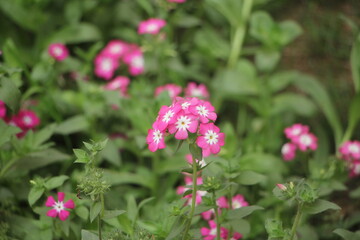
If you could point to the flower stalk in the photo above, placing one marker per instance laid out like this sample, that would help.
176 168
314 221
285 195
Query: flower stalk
216 217
297 220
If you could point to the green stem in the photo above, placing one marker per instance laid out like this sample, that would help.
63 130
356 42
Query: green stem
297 220
216 217
99 226
239 35
7 167
193 199
101 215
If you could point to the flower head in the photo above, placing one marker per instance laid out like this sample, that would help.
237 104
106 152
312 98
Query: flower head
204 110
115 49
26 120
58 51
350 150
210 233
210 138
2 110
183 124
306 141
296 130
105 66
238 201
119 83
135 60
194 90
288 151
59 207
155 138
151 26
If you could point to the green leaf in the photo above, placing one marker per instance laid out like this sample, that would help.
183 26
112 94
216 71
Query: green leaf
87 235
347 235
195 151
145 201
289 31
95 210
82 212
250 178
146 5
34 194
261 25
296 103
79 33
111 153
355 63
55 182
281 80
81 155
242 212
132 208
6 132
320 206
43 135
72 125
354 117
355 193
108 214
266 60
10 94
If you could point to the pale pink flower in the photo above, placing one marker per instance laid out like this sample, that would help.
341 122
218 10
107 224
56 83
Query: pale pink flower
210 138
295 130
172 89
58 51
210 233
26 119
306 141
155 138
151 26
204 110
167 115
119 83
105 66
288 151
194 90
183 124
281 186
115 49
2 110
58 208
350 150
238 201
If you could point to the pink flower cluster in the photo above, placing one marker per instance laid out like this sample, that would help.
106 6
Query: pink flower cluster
188 185
350 152
191 90
115 52
58 51
184 116
210 233
151 26
24 119
59 207
300 138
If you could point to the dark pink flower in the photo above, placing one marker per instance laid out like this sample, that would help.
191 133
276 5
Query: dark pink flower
59 207
58 51
210 233
350 150
238 201
288 151
354 168
183 124
204 110
188 185
281 186
151 26
306 141
210 138
115 49
167 115
105 66
194 90
2 110
155 138
26 120
296 130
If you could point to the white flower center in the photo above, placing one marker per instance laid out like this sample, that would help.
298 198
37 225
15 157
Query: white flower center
151 27
353 148
138 62
306 140
296 131
115 49
185 105
168 115
202 110
58 51
58 206
213 232
157 136
106 65
211 137
236 204
285 149
183 122
27 120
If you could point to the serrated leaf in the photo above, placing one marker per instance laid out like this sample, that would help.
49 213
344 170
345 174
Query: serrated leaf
108 214
242 212
95 210
55 182
34 194
321 205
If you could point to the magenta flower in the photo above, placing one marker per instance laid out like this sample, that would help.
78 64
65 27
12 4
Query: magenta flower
350 150
186 103
115 49
188 184
204 110
288 151
306 141
155 138
105 66
26 120
2 110
210 138
167 115
172 89
210 233
238 201
221 202
194 90
58 51
183 124
58 208
151 26
295 130
135 60
119 83
354 168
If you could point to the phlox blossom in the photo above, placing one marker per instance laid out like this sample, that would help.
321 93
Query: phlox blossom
2 110
204 110
167 115
135 60
58 51
173 90
194 90
238 201
151 26
306 141
155 138
119 83
26 119
105 66
350 150
188 184
58 207
210 233
354 168
295 130
115 49
288 151
211 138
183 124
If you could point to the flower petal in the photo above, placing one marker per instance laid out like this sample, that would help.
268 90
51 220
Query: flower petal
50 201
69 204
61 196
63 215
51 213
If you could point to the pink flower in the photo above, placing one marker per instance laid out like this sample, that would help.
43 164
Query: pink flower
199 194
119 83
151 26
210 138
236 236
354 168
221 202
105 66
155 138
183 124
194 90
172 89
288 151
204 110
186 103
295 130
115 49
281 186
58 51
350 150
2 110
59 206
238 201
167 115
210 233
135 60
189 159
177 1
26 120
306 141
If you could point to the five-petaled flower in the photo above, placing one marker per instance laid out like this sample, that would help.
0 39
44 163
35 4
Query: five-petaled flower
211 138
59 207
151 26
58 51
